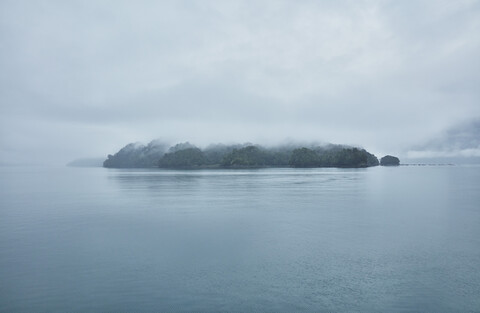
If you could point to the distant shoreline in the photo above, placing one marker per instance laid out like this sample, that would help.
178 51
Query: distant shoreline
243 156
428 164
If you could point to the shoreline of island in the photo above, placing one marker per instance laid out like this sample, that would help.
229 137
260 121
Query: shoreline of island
186 156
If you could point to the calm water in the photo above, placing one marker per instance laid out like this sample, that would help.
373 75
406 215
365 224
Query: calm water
404 239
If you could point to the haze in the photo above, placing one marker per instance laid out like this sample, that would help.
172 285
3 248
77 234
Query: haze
84 78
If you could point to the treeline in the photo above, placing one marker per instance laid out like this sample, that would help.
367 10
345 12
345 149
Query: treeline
186 155
337 157
137 155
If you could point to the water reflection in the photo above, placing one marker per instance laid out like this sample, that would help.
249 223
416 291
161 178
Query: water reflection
293 180
278 240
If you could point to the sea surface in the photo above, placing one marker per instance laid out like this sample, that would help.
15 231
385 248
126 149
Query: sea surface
383 239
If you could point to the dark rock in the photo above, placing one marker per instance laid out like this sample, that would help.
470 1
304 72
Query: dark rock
389 160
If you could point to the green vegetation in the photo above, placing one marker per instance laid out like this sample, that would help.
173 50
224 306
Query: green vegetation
249 156
135 155
389 160
186 155
190 157
214 153
304 157
337 157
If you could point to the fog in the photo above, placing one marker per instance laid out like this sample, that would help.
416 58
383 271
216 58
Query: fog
461 141
83 78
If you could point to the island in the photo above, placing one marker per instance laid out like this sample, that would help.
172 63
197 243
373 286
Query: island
389 160
248 155
137 155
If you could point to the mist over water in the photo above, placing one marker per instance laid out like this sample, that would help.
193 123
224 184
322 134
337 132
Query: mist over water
81 80
271 240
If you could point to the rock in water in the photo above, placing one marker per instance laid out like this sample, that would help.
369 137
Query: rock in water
389 160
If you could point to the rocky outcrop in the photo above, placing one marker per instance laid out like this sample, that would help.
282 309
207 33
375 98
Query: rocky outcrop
389 160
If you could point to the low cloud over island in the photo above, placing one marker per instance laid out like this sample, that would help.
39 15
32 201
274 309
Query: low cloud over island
80 79
188 156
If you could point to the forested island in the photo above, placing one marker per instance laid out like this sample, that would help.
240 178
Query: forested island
188 156
389 160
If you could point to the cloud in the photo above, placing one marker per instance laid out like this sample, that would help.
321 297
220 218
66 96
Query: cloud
387 75
463 140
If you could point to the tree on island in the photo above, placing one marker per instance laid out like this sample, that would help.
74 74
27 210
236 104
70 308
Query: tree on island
250 156
136 155
186 155
190 157
215 153
337 157
389 160
372 160
304 157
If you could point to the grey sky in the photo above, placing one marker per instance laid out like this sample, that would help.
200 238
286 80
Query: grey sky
84 78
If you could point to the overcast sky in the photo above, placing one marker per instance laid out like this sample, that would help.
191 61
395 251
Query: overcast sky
84 78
